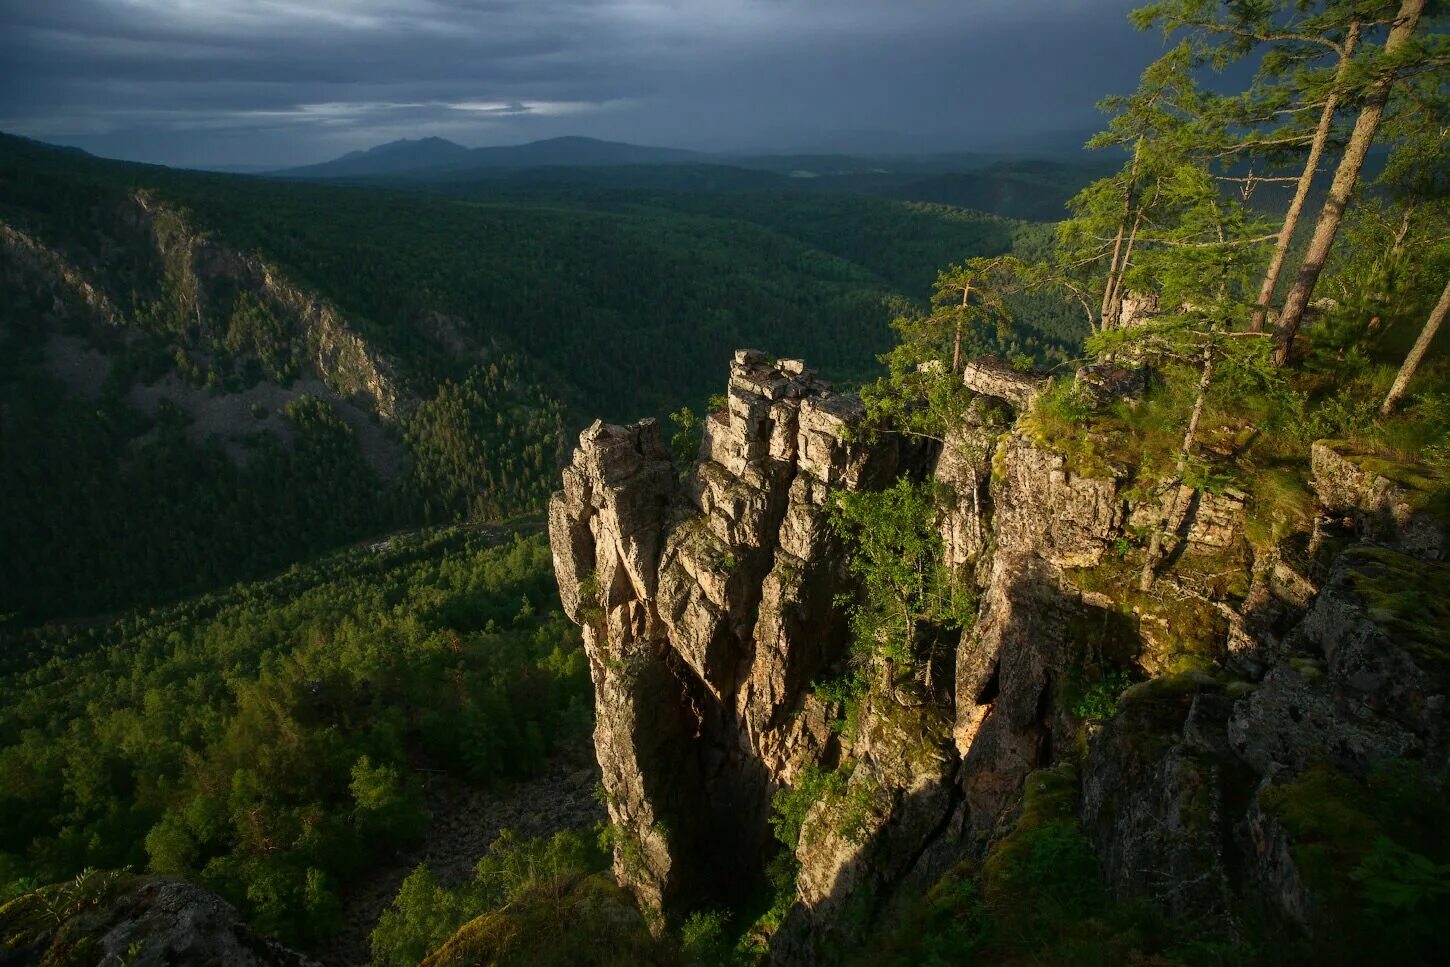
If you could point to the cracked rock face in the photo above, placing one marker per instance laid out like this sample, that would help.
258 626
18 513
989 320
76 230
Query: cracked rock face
1009 666
710 601
1383 509
708 607
857 849
1209 523
1154 800
1041 507
964 472
993 377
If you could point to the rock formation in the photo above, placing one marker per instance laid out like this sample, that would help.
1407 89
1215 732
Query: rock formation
707 609
198 263
103 919
990 376
710 599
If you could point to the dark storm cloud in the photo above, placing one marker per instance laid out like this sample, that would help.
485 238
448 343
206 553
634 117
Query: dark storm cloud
282 81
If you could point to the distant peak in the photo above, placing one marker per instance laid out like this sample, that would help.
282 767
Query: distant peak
429 142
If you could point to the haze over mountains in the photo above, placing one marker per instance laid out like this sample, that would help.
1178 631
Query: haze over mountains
1020 185
439 156
408 156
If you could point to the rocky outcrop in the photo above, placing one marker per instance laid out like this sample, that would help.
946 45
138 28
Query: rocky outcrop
1383 508
146 921
1009 667
1204 522
1369 688
196 263
566 919
858 846
1137 308
1157 795
1102 383
713 596
707 605
51 282
1043 508
964 475
990 376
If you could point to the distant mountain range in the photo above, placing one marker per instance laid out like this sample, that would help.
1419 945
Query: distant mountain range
440 156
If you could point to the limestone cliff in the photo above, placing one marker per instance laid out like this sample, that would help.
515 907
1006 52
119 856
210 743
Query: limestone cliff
712 598
191 275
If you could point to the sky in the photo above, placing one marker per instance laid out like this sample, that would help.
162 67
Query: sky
280 82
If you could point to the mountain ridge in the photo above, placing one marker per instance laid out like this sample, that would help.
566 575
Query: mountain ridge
413 156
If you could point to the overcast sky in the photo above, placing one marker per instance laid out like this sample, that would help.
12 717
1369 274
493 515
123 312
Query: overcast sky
238 82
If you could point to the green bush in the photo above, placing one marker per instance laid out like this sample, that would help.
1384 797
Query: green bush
515 873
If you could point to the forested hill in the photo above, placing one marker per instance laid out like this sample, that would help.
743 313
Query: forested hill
1027 187
243 372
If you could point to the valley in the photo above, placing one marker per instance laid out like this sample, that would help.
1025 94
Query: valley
564 550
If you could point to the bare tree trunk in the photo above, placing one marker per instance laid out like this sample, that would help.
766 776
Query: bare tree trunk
1117 306
1109 290
1155 546
1345 178
1417 352
1306 180
1113 270
957 343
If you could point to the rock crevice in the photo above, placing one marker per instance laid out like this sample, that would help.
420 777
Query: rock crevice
706 603
710 599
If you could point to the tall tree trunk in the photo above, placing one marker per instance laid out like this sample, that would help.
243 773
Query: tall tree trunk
1155 545
1306 180
1118 292
1114 270
1417 352
1345 178
957 342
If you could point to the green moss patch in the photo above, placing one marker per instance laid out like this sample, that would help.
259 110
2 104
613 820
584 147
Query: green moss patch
1376 857
1177 631
568 920
1408 596
1428 481
1059 420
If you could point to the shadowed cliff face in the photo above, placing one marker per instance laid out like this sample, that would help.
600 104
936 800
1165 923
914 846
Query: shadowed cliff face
710 604
707 609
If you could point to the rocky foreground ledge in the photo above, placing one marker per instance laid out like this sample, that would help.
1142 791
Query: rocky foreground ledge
709 602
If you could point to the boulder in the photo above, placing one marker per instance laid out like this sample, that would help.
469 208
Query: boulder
1103 383
146 921
990 376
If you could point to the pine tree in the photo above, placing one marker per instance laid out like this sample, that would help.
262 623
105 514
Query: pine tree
1305 53
1399 54
989 280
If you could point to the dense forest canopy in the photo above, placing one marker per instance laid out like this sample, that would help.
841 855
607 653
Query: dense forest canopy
265 739
206 380
265 369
